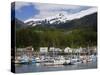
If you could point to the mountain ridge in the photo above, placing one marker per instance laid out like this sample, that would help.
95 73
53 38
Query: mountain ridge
57 19
86 21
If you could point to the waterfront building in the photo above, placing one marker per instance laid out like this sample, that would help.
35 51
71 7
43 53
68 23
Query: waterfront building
67 50
43 49
28 51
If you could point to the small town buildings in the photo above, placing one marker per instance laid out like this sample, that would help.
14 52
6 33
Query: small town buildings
53 49
28 51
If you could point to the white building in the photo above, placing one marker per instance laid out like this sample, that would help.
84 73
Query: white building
43 49
53 49
68 50
58 50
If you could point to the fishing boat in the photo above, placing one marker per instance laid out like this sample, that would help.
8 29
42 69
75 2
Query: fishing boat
24 60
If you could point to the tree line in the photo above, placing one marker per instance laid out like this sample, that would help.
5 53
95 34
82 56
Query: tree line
46 37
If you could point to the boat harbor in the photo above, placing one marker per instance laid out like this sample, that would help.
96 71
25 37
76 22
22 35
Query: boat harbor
55 59
55 56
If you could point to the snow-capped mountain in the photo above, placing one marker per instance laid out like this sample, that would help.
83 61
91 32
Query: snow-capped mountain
57 19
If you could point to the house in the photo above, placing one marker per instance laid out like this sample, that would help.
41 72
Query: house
43 49
68 50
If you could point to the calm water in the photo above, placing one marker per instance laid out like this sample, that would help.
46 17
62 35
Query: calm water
41 68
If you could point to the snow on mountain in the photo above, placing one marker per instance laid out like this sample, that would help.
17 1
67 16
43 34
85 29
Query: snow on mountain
59 18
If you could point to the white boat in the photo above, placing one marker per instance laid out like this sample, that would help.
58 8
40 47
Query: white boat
72 61
38 60
67 62
24 59
56 61
76 61
59 61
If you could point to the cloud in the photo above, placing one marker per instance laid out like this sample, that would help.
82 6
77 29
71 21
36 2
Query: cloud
19 5
44 6
48 10
82 13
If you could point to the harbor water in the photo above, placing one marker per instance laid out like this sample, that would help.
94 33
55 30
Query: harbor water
38 67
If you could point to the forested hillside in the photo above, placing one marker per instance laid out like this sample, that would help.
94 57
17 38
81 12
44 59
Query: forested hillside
75 33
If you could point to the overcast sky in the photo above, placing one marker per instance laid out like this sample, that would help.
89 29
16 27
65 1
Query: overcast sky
25 10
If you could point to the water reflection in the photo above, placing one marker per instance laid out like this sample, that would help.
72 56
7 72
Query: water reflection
39 67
